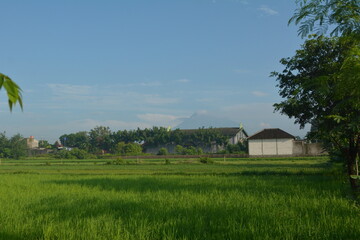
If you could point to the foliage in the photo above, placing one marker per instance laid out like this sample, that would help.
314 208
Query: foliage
206 160
12 89
74 153
188 150
44 144
343 16
320 87
239 148
128 148
100 139
15 147
163 151
79 140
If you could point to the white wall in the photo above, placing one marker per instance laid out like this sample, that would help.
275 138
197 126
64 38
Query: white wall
271 147
255 147
285 146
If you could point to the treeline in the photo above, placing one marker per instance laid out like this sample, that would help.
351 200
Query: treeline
102 140
13 147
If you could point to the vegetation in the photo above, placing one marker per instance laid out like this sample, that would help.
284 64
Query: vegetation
320 83
276 198
102 140
12 89
14 147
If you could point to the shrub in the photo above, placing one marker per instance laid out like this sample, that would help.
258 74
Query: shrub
206 160
119 161
163 151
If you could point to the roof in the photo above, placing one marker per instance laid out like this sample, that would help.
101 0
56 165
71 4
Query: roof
271 133
230 132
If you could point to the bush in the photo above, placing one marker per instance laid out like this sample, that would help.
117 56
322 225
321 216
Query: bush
119 161
71 154
206 160
163 151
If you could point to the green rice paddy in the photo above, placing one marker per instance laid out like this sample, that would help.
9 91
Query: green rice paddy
297 198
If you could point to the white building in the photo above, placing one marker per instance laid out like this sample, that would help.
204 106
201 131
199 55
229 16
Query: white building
31 142
275 142
272 141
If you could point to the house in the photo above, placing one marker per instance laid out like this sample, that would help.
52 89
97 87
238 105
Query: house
272 141
31 142
233 134
275 142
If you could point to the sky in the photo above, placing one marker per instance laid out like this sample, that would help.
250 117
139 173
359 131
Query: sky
128 64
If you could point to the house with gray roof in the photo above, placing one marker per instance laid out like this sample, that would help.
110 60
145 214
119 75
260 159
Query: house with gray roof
276 142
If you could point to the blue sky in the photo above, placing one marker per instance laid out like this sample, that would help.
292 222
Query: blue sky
128 64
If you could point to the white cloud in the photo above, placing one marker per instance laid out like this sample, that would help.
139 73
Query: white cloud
183 80
156 119
259 93
67 89
268 11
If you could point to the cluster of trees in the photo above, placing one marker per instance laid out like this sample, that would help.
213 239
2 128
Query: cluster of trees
102 139
14 147
320 84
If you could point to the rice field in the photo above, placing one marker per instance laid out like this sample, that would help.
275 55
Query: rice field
298 198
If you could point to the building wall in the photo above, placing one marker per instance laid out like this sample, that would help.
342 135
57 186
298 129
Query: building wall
285 146
299 148
32 143
270 147
239 137
255 147
274 147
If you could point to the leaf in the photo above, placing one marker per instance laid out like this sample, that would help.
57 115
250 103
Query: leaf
355 176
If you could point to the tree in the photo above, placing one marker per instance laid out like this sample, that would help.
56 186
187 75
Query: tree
100 138
316 16
12 89
320 85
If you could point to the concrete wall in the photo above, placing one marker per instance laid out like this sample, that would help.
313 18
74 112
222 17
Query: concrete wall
270 147
299 148
315 149
255 147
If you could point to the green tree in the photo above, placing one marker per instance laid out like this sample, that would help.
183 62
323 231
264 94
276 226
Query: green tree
316 16
44 144
12 89
318 90
100 139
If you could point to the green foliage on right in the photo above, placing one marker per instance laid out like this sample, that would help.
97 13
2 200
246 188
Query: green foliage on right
320 83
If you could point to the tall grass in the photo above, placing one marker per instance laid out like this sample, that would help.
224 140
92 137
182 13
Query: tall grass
169 202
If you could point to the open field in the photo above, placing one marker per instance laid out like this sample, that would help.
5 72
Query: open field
298 198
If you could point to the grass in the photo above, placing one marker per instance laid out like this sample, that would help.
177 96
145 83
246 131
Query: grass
236 199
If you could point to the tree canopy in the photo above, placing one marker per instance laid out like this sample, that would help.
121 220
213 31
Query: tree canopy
320 84
342 17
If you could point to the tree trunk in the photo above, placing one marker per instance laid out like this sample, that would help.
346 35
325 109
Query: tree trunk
351 155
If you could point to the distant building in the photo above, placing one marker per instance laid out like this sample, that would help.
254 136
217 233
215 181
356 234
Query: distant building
31 142
275 142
